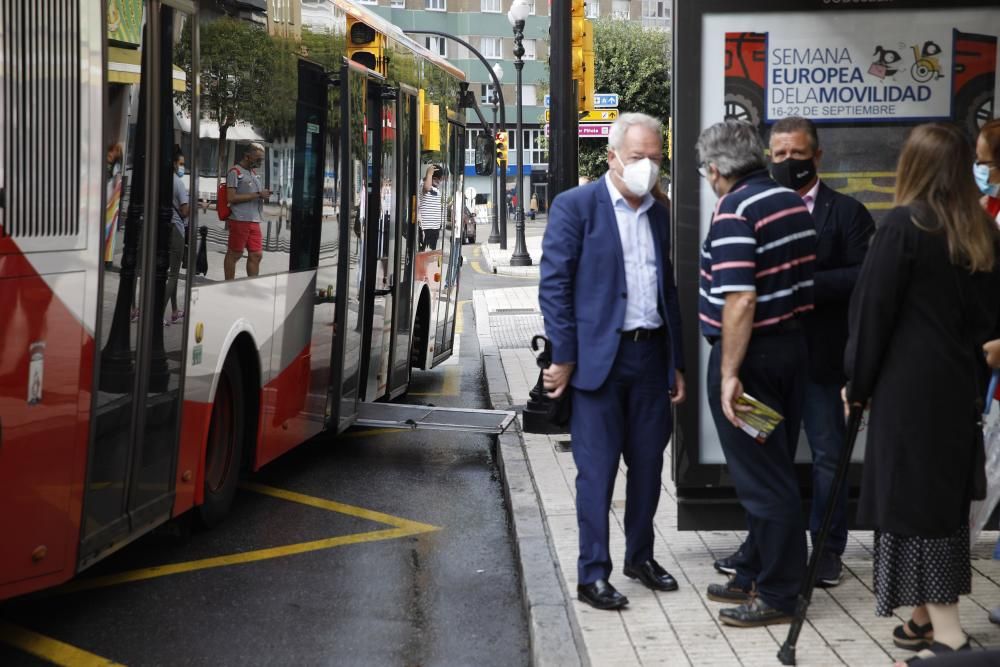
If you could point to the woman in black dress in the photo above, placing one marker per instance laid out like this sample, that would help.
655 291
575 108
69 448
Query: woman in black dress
926 301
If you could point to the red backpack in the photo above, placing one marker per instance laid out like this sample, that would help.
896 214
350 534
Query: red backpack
222 198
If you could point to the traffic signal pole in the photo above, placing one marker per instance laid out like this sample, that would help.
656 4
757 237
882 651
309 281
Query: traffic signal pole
563 143
503 115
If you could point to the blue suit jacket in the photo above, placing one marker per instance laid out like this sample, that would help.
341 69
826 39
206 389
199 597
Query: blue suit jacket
582 292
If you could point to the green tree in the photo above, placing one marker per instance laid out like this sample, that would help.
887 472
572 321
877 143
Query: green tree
245 76
634 62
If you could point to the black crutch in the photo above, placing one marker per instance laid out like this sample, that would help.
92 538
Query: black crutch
787 653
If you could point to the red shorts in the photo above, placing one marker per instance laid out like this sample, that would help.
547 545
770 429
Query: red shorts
245 235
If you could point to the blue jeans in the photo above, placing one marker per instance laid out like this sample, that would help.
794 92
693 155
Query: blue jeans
823 419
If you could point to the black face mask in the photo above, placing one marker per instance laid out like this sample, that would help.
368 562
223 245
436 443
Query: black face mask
793 174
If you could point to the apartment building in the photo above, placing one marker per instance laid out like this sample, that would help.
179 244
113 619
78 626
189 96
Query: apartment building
484 25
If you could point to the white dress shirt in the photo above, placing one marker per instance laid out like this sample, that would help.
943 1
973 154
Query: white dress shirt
642 290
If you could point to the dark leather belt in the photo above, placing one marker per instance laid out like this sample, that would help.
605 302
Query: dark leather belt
643 334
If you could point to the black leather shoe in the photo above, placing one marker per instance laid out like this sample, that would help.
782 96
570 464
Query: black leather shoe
601 595
651 575
753 613
727 565
730 592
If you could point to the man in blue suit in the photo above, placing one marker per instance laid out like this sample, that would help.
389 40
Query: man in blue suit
608 297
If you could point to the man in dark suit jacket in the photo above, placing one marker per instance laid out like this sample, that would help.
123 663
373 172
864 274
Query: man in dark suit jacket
608 297
843 229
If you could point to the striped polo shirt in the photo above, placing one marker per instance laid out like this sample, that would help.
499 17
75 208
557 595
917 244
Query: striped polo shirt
762 239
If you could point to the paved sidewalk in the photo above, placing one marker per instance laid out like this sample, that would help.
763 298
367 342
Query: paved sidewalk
498 261
679 628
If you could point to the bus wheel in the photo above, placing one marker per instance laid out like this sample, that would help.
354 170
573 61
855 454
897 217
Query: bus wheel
223 451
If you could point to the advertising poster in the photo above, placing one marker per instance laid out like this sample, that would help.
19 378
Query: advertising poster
866 73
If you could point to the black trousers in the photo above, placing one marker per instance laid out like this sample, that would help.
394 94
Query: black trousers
429 239
774 372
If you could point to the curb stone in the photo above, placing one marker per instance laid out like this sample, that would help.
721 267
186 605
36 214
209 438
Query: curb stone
551 634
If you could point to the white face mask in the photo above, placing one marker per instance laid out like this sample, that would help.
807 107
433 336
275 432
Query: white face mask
639 176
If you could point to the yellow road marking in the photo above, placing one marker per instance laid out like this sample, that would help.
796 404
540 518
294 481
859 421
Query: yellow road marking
46 648
400 528
342 508
477 251
478 269
449 385
460 317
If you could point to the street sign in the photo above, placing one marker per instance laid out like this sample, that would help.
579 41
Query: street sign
601 100
605 100
598 116
548 98
590 130
594 130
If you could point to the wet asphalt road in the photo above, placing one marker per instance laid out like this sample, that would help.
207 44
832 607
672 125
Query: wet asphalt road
443 591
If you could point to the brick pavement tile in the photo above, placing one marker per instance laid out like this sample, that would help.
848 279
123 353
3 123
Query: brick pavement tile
682 627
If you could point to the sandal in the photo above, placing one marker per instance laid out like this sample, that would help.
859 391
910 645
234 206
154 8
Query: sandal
936 649
922 636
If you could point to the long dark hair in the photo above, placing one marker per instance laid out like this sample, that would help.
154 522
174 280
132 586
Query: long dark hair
934 170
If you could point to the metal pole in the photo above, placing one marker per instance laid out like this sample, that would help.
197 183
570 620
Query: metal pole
520 256
503 113
563 125
495 227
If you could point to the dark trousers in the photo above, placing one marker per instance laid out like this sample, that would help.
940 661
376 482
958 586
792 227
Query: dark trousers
429 239
629 415
764 475
823 420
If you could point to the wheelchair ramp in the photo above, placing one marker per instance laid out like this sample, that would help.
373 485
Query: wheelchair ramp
425 417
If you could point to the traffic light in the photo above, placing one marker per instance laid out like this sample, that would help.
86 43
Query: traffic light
365 45
501 145
582 55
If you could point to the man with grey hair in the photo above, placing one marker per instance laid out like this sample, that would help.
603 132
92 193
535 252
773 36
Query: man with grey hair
246 197
608 297
756 280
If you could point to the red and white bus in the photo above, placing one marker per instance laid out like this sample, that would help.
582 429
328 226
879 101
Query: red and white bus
121 408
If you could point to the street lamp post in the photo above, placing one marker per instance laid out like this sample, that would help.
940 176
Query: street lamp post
495 227
517 15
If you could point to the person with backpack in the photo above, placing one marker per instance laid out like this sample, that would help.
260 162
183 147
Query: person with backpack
245 195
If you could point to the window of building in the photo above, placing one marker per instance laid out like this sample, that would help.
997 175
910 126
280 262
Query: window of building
437 45
528 95
399 3
491 47
593 9
619 9
531 4
369 2
536 147
658 10
486 93
529 49
490 6
436 5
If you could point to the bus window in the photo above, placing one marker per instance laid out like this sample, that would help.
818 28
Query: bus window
248 98
130 469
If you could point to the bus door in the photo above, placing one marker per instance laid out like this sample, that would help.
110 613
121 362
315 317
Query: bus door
451 238
405 193
132 456
353 221
380 274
